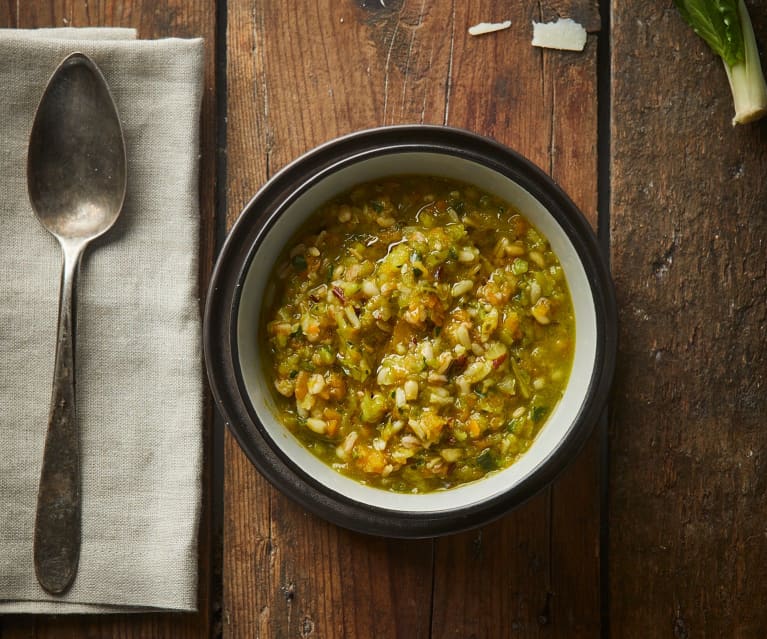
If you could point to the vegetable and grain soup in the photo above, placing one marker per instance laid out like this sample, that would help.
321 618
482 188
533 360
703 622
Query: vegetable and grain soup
420 332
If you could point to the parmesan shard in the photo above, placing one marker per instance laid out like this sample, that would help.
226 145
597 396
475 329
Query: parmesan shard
488 27
565 34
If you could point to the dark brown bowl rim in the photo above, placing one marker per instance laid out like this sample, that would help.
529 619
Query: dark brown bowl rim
222 305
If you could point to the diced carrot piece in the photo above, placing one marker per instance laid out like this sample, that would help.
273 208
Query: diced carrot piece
301 385
373 461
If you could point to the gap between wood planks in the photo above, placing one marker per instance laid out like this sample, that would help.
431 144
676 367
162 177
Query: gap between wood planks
604 144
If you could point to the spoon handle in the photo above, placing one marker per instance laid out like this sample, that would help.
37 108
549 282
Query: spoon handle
57 526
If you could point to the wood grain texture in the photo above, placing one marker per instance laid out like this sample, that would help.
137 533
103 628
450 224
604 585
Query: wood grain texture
289 574
298 78
536 571
689 229
152 19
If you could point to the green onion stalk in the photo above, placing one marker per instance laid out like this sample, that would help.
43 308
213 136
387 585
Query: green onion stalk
726 27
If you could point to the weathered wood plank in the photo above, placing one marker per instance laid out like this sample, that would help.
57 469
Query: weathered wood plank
687 551
576 588
537 570
585 12
288 574
165 18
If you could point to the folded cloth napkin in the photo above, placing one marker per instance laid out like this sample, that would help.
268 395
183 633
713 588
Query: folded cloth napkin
139 378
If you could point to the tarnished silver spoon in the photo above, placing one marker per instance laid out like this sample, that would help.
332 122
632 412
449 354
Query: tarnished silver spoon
76 176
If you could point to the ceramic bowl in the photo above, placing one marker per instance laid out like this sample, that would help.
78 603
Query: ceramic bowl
234 358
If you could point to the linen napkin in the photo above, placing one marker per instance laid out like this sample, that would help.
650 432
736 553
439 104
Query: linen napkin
139 377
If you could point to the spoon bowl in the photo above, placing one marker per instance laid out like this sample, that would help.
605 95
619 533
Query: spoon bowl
76 167
76 178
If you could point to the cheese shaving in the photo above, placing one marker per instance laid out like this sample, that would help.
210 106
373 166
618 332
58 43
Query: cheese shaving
564 34
488 27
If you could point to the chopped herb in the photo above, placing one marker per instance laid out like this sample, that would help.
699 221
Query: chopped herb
299 262
486 461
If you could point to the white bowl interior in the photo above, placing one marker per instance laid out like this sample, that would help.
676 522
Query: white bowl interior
255 286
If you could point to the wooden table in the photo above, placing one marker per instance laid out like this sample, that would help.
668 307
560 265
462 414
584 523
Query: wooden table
658 527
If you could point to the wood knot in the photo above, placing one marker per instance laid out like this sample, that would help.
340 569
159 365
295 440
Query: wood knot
680 627
288 591
544 617
476 546
307 627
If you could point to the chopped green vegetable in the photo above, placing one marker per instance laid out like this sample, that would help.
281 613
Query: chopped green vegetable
522 378
299 262
518 267
726 27
486 461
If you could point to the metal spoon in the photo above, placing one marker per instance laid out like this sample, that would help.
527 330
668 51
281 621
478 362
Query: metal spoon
76 177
